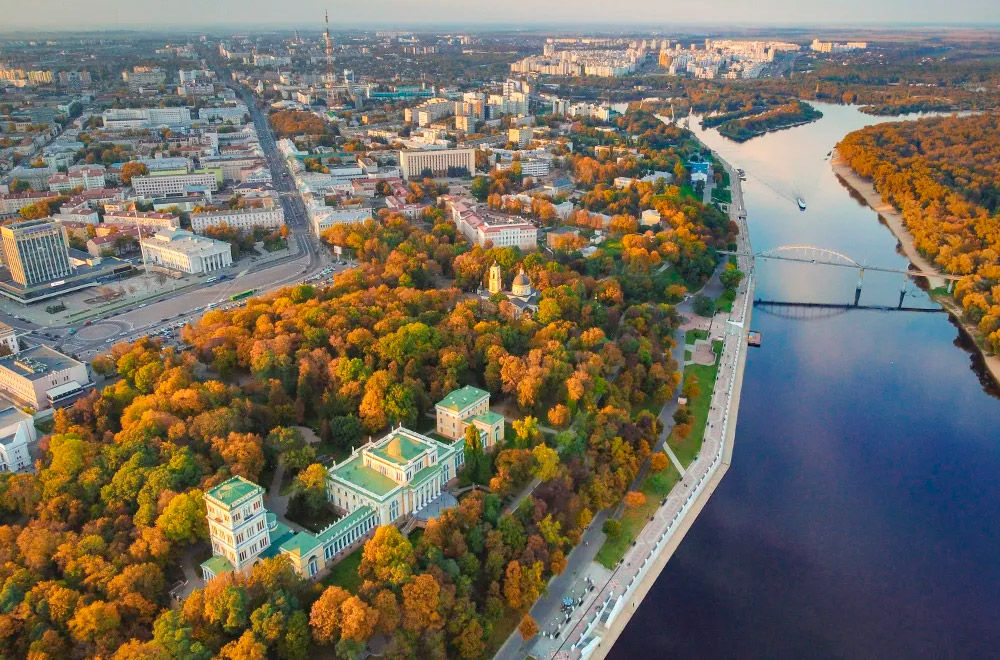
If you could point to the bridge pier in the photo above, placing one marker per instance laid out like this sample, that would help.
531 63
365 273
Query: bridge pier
951 285
902 293
857 291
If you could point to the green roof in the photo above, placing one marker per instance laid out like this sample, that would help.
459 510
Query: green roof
233 490
424 473
399 449
488 417
217 565
345 523
279 535
354 472
303 543
461 399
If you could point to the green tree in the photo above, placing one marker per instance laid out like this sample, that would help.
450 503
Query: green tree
183 519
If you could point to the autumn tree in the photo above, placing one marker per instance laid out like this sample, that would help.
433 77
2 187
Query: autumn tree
658 462
528 628
420 604
634 499
387 556
325 617
131 169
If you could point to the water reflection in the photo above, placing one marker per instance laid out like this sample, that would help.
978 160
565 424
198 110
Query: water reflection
861 514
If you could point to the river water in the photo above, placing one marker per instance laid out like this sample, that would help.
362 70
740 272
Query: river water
861 515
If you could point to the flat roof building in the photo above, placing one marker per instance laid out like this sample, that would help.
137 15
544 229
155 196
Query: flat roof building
181 250
438 162
173 184
42 377
246 219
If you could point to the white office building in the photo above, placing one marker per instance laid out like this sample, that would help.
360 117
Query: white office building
181 250
414 163
173 184
135 118
245 219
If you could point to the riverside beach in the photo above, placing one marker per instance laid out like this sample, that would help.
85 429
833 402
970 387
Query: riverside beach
893 219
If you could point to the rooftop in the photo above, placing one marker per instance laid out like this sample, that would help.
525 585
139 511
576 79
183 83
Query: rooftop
302 543
233 490
459 400
217 565
399 449
489 417
353 471
37 362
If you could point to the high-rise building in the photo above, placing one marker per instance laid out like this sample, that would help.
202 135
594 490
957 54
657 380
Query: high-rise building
36 251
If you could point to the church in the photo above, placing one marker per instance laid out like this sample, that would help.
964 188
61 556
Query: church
522 295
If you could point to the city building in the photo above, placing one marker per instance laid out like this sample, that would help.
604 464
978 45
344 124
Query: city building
144 76
246 219
181 250
521 136
482 226
135 118
148 220
36 251
17 431
173 184
439 162
326 217
87 177
12 203
8 339
42 377
469 405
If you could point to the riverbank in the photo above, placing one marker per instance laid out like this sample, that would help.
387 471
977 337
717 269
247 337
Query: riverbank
894 221
594 637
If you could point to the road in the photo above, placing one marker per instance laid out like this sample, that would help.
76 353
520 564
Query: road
304 261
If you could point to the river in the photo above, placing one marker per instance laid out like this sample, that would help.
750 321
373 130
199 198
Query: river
861 515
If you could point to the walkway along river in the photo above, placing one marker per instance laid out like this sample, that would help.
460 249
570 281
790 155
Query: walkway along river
861 512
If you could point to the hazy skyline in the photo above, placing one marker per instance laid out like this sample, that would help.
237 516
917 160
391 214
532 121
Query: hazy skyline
47 14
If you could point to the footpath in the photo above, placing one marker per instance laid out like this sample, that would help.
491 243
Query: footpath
605 600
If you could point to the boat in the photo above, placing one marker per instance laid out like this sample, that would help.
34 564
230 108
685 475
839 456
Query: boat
802 204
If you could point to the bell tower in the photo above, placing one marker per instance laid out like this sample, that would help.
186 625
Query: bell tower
496 281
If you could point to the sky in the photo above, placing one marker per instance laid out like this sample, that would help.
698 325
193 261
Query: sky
196 14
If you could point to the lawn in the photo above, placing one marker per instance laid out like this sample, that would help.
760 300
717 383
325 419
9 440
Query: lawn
687 448
655 488
722 195
345 573
724 303
691 335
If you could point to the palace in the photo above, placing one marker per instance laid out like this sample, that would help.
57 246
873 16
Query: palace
384 482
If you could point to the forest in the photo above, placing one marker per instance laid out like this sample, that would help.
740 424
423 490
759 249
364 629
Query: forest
943 175
95 536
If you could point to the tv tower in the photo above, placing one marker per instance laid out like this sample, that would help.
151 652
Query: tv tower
329 48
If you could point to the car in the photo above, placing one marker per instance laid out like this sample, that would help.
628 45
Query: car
88 323
141 305
109 341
